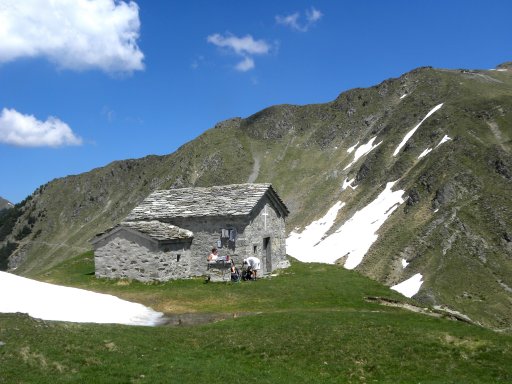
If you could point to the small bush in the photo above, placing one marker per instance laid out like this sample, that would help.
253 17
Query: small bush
25 231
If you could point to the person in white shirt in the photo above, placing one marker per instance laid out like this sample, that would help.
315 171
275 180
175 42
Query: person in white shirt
254 264
214 254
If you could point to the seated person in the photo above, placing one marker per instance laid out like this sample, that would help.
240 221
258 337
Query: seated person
253 263
213 256
235 274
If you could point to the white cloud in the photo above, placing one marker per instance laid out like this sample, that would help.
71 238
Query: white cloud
313 15
293 20
290 21
74 34
26 131
245 65
244 47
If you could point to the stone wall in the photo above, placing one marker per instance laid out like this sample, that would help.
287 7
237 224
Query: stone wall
207 231
125 255
266 223
263 223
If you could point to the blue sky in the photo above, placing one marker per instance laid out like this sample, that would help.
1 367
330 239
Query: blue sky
87 82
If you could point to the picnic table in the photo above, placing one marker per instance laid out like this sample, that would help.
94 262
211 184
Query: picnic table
221 265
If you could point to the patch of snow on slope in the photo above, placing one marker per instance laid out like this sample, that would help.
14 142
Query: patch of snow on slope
428 150
354 238
363 150
444 140
409 287
351 149
425 153
404 263
348 183
53 302
411 132
299 244
401 97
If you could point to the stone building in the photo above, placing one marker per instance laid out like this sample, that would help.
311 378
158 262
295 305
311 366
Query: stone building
169 235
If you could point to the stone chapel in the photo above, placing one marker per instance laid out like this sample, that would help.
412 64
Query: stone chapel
170 234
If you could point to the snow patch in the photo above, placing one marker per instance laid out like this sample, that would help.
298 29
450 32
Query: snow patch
404 95
299 244
348 183
444 140
353 239
404 263
411 132
425 153
54 302
363 150
428 150
351 149
409 287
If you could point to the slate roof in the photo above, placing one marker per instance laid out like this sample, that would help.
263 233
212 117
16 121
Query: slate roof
155 229
223 200
158 230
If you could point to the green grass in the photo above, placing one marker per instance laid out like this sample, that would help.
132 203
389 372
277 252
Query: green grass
312 325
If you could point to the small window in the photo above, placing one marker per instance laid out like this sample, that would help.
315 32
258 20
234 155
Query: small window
254 248
178 257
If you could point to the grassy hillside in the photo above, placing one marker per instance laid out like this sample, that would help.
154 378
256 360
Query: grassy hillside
311 324
455 228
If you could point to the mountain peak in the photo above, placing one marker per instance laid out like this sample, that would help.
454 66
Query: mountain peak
506 66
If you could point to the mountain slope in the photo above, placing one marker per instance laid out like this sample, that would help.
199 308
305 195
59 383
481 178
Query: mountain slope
454 225
4 203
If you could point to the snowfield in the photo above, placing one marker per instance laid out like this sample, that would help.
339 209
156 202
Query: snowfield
54 302
409 287
353 239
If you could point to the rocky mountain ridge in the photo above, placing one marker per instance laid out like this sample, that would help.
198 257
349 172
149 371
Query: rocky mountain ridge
454 226
5 203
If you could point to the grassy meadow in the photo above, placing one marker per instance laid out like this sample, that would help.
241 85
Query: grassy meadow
311 323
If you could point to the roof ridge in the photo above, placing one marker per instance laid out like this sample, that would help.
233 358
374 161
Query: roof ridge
217 200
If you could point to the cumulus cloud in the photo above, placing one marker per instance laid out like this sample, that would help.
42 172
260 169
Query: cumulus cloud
245 47
26 131
293 20
74 34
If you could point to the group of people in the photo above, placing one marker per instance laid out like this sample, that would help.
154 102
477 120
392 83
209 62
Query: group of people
250 266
